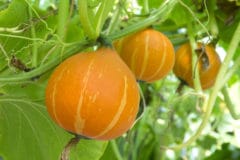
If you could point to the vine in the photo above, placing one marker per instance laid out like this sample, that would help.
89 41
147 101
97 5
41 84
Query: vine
62 18
43 68
33 35
163 11
229 104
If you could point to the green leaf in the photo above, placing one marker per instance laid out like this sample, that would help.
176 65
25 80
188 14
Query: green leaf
207 142
74 30
89 149
226 152
109 153
15 14
27 131
180 15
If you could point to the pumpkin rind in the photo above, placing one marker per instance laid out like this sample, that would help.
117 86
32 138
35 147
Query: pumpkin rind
183 65
148 53
93 94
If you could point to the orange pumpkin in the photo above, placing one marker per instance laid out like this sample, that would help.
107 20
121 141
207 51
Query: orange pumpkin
208 64
93 94
148 53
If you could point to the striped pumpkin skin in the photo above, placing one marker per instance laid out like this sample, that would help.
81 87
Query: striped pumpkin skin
183 65
148 53
93 94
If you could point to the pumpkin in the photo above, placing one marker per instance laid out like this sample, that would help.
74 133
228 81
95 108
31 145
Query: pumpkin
208 64
148 53
93 94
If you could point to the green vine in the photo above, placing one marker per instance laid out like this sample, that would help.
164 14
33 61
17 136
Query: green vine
159 16
26 76
195 70
116 150
145 7
115 18
33 35
63 14
86 21
102 14
231 107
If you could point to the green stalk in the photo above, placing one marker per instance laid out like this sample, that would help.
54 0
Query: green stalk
217 87
231 49
102 14
212 20
115 19
63 13
160 15
231 107
26 76
234 68
145 7
85 20
115 150
33 35
195 69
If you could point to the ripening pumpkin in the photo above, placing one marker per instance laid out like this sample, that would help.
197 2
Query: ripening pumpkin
208 64
148 53
93 94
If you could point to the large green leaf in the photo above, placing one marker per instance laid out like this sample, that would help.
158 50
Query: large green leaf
27 132
15 14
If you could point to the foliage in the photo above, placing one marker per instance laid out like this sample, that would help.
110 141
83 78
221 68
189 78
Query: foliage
35 36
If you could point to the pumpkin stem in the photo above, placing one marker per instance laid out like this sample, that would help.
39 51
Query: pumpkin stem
180 86
71 143
105 41
202 57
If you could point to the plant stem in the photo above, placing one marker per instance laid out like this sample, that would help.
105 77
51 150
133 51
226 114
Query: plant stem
234 68
231 107
102 14
25 76
71 143
115 150
231 49
161 15
145 7
195 69
63 14
85 20
115 19
33 35
218 85
212 19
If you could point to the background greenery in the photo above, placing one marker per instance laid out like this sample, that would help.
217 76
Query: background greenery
36 35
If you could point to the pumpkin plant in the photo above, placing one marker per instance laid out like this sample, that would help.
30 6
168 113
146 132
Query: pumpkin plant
93 94
208 64
148 53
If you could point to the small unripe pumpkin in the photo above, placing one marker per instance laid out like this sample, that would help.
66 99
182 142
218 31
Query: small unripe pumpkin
208 67
148 53
93 94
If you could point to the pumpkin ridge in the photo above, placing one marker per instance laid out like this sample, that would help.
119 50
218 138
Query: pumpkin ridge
122 105
146 56
54 94
133 63
80 122
163 59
